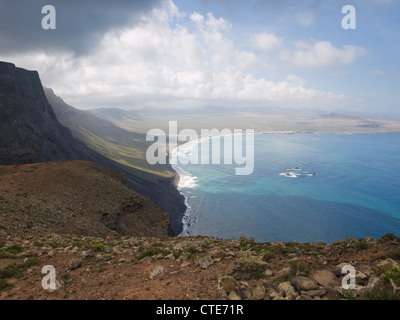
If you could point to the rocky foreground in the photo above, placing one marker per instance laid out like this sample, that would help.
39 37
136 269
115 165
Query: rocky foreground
203 268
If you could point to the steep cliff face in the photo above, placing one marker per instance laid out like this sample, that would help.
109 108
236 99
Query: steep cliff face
116 143
29 129
30 132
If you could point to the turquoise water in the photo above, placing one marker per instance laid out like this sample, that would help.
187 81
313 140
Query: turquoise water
356 192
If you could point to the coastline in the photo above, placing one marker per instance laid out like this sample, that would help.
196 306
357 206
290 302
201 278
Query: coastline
179 179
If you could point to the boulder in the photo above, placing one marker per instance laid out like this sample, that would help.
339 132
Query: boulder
284 272
337 270
326 278
156 271
257 292
314 293
303 283
205 262
388 264
75 264
234 296
227 283
286 290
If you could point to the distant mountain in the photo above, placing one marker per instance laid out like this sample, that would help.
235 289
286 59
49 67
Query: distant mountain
29 129
336 115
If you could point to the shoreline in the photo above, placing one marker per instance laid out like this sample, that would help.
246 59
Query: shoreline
186 218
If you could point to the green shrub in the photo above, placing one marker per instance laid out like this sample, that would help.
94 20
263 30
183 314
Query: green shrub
389 237
149 253
4 285
361 244
15 270
300 269
98 247
394 254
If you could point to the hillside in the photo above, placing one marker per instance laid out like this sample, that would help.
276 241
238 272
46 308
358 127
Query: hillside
193 268
127 153
74 197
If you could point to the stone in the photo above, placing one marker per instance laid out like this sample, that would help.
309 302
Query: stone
284 272
326 278
88 254
180 246
205 262
257 293
268 273
366 269
273 294
75 264
303 283
373 282
245 294
156 271
314 293
337 270
227 283
170 256
286 290
221 295
387 264
234 296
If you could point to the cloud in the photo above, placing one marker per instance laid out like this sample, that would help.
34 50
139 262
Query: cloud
265 41
320 54
80 24
168 59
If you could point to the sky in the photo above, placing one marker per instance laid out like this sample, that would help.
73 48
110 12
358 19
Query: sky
193 53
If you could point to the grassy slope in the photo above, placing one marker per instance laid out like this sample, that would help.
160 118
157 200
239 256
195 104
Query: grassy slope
127 150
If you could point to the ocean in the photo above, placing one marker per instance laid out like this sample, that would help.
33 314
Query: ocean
355 191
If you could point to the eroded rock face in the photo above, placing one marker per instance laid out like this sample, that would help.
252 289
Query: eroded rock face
29 129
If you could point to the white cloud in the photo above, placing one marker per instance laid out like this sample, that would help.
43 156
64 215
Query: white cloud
265 41
160 60
320 54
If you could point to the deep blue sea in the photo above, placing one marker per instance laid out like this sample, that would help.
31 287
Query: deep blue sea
356 192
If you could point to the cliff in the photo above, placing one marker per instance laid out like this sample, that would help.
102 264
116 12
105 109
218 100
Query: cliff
29 129
30 132
127 152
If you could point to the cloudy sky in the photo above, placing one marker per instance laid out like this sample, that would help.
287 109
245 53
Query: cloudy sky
188 53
